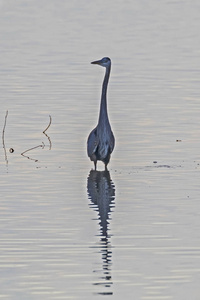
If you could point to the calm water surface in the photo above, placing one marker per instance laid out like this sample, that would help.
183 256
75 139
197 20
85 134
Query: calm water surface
68 232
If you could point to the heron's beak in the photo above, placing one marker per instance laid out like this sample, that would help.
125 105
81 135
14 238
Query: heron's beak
96 62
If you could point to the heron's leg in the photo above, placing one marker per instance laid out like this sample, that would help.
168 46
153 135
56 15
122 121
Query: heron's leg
106 162
95 165
106 167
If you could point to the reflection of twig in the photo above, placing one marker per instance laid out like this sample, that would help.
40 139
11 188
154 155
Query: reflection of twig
3 141
39 146
46 134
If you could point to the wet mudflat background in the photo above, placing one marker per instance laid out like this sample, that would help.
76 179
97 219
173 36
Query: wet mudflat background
68 232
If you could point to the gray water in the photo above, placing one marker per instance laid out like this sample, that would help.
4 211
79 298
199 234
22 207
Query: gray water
67 232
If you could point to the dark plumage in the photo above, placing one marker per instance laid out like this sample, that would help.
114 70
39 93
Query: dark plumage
101 140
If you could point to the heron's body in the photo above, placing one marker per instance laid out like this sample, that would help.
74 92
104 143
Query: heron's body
101 140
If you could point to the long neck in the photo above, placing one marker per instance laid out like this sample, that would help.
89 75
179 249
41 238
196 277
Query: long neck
103 115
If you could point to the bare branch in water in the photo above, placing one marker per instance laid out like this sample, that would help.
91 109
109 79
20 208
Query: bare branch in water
39 146
3 138
50 144
48 125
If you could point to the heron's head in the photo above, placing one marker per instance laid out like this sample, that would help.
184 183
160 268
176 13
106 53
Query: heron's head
104 62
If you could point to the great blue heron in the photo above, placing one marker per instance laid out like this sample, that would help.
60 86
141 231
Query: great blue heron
101 140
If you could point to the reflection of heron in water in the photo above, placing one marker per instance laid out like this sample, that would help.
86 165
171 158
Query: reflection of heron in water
101 140
101 192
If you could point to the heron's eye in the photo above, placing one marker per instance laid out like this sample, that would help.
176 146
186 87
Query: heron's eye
106 59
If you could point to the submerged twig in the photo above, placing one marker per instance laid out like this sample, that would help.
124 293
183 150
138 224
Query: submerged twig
50 144
39 146
48 125
3 138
